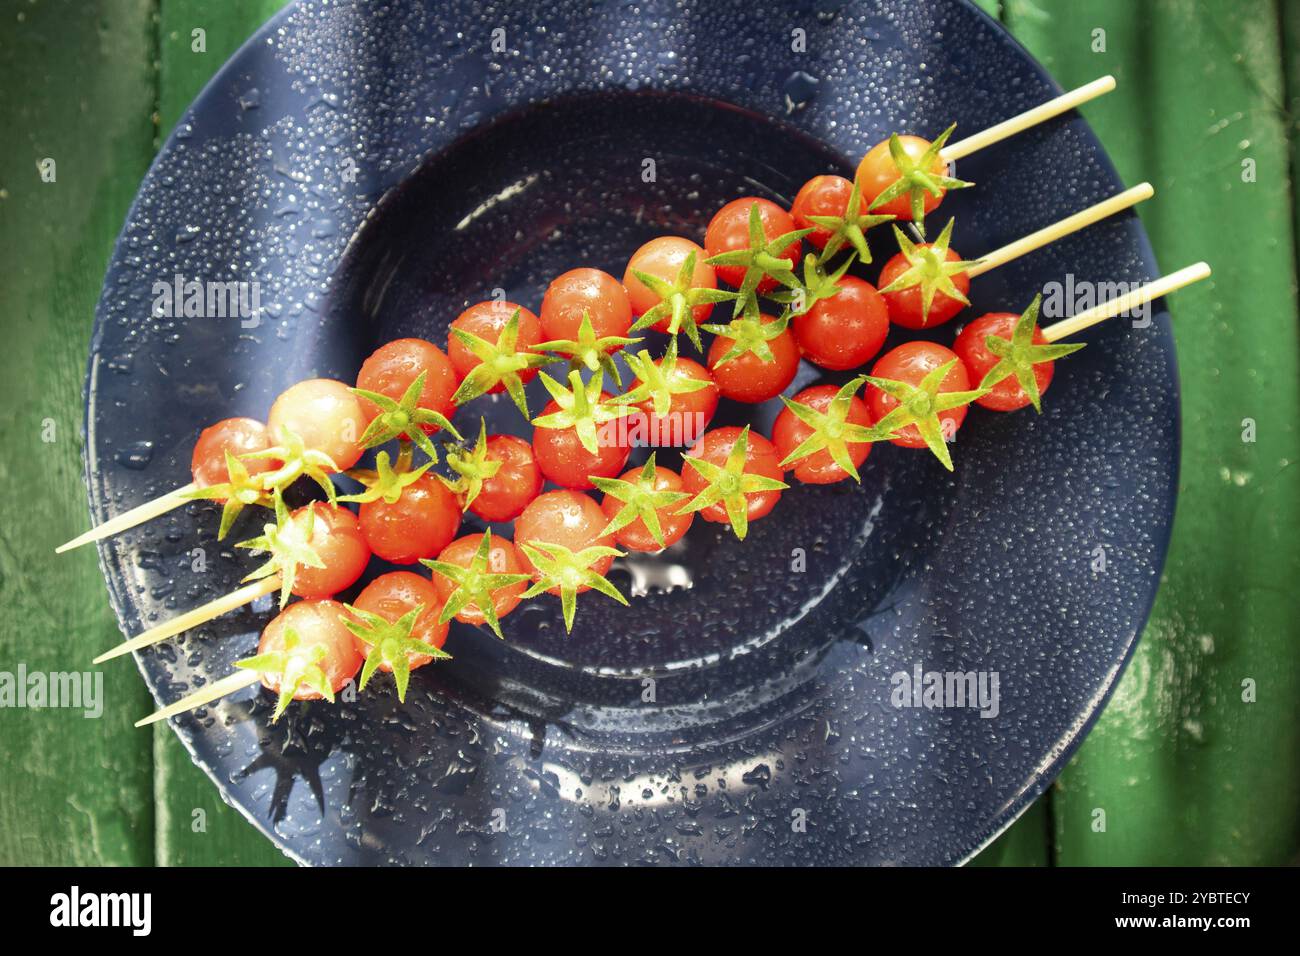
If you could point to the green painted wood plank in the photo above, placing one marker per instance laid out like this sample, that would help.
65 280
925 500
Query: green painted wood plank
1025 843
1185 771
194 827
79 90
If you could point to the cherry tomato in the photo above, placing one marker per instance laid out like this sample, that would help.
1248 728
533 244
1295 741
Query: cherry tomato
317 624
239 436
905 304
325 415
417 525
503 558
337 540
517 482
761 458
729 232
396 594
588 291
567 518
910 363
663 258
636 536
750 379
392 368
788 433
877 172
487 320
563 459
846 329
822 196
689 413
1007 395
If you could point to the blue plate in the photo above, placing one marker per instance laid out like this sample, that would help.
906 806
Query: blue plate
376 168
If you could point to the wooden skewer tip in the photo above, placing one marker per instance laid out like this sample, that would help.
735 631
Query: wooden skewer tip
204 695
192 619
129 519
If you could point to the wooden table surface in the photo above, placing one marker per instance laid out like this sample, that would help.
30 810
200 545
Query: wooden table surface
1184 770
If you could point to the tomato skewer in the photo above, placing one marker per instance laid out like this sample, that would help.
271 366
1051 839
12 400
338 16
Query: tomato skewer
305 653
925 284
209 467
908 175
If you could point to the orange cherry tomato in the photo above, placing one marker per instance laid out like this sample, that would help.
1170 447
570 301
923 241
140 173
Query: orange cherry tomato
844 330
417 525
239 436
749 378
761 458
337 540
663 258
788 433
911 362
877 172
729 232
325 415
585 291
487 320
503 558
567 518
317 624
636 536
392 368
1007 395
396 594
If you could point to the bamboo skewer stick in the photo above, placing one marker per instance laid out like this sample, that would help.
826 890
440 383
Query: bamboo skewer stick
190 619
1016 124
129 519
1141 296
1059 230
204 695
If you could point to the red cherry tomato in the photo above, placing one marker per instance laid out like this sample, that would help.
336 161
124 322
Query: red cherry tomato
567 518
396 594
910 363
636 536
663 259
337 540
503 558
588 291
392 368
487 320
325 415
905 304
417 525
317 624
517 482
750 379
822 196
877 172
760 459
689 413
844 330
1007 395
239 436
729 232
789 433
563 459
